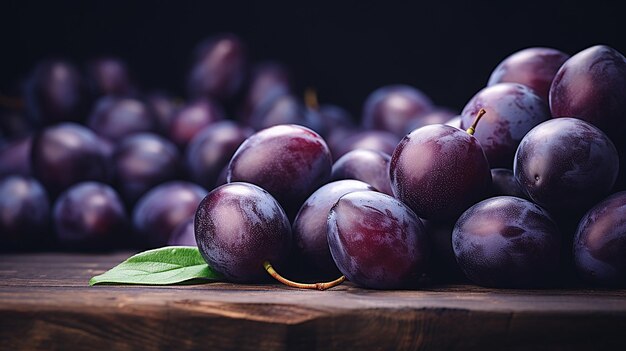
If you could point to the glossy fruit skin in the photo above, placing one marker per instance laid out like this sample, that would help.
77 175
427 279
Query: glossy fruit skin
506 241
66 154
533 67
600 243
309 227
378 140
566 165
161 209
191 119
392 107
219 67
109 76
376 241
55 92
209 152
90 216
183 234
25 213
369 166
289 161
505 184
15 157
239 226
115 118
512 111
591 85
439 171
142 161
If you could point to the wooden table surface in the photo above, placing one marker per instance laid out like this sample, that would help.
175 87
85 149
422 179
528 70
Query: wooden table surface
45 303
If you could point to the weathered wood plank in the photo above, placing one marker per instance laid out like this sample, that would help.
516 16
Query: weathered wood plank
45 303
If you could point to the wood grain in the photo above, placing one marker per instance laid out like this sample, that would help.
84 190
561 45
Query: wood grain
46 304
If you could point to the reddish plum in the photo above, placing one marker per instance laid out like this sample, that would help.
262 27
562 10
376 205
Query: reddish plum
289 161
376 241
439 171
591 85
532 67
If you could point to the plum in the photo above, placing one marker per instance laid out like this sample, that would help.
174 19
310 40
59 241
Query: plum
369 166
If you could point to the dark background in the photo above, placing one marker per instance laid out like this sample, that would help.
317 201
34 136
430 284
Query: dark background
345 49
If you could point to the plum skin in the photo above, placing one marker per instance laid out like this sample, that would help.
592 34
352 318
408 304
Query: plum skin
376 241
506 241
566 165
289 161
239 226
439 171
309 227
600 243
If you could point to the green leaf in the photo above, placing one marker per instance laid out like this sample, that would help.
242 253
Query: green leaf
167 265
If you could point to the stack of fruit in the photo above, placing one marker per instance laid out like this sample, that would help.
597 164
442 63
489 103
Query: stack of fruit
518 190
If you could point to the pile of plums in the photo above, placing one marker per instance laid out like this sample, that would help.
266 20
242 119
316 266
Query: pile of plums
521 189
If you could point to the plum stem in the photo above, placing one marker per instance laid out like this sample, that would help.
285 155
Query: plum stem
310 99
472 128
317 286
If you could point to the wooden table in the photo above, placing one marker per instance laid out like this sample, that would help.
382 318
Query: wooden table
45 303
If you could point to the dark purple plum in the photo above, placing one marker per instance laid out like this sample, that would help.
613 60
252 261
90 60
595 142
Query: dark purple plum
512 111
15 157
219 67
506 241
24 213
376 241
566 165
66 154
392 107
369 166
439 171
600 242
309 227
183 234
55 92
439 115
211 149
191 119
378 140
115 118
238 227
505 184
164 108
109 76
533 67
161 209
268 79
591 85
142 161
289 161
90 216
334 117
